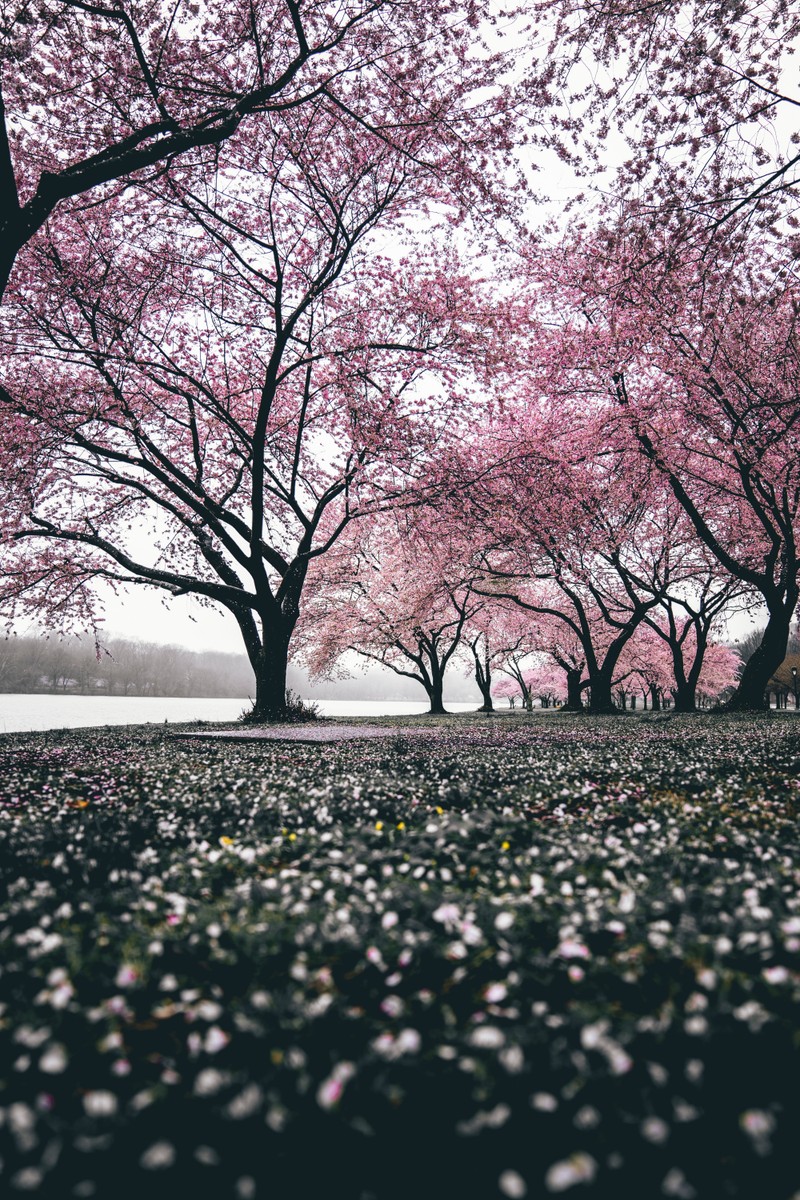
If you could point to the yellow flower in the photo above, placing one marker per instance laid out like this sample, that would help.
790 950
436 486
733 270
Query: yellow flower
226 841
292 837
401 824
379 825
439 809
506 846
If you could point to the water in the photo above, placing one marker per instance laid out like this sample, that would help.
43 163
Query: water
385 708
22 713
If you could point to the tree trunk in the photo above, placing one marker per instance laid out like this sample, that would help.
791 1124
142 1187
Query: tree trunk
270 671
685 697
437 708
574 699
602 700
483 678
751 693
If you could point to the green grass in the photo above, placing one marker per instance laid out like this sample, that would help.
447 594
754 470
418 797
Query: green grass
486 957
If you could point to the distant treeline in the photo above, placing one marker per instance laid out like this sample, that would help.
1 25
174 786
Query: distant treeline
122 668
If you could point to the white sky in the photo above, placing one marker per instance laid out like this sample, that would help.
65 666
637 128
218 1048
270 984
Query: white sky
144 614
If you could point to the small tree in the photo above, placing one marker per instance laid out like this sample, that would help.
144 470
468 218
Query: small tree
396 599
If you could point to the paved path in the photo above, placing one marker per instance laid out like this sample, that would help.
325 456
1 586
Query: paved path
312 732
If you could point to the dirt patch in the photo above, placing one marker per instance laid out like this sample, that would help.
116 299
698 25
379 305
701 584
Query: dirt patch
293 733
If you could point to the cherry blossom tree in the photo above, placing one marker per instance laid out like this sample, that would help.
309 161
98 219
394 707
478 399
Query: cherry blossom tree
243 388
721 668
562 528
499 637
393 594
561 670
98 99
547 682
645 662
686 623
702 96
506 689
701 360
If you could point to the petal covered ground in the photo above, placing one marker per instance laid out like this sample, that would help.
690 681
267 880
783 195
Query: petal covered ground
508 958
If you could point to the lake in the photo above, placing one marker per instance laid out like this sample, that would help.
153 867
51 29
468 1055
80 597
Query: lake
22 713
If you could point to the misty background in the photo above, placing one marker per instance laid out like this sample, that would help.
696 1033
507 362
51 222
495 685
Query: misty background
121 666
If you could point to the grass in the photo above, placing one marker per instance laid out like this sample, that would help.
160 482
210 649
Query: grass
486 957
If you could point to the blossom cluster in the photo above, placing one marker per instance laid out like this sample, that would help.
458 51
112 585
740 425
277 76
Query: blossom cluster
495 958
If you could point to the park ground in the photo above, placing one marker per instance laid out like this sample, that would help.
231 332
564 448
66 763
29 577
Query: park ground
483 957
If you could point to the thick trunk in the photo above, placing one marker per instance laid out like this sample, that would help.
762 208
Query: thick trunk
435 691
602 700
655 699
271 684
574 701
685 690
758 670
685 697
